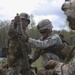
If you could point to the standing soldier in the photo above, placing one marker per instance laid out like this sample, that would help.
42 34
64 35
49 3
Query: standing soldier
14 52
49 45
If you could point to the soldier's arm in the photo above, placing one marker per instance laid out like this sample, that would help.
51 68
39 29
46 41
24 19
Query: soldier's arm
13 26
46 43
12 32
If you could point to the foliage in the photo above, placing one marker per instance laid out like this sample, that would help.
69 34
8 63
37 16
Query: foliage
37 63
3 33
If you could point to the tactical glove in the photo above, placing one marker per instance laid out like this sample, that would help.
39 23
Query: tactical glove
51 64
30 60
23 38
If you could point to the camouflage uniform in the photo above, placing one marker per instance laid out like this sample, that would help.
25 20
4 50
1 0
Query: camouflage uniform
45 72
59 68
51 52
14 52
69 10
50 48
65 69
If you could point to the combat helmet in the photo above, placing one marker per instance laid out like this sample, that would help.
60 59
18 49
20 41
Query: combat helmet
25 16
65 6
44 24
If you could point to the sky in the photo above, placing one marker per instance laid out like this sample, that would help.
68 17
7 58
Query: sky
41 9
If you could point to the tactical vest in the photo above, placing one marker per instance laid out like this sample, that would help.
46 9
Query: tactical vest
56 49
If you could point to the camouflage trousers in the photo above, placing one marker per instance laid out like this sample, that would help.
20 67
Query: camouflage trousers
16 69
43 71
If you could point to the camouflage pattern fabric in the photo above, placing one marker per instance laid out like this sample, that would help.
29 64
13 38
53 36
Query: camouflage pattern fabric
14 53
66 69
43 71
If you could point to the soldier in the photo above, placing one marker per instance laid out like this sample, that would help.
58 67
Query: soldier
49 45
65 69
54 67
68 8
61 68
14 52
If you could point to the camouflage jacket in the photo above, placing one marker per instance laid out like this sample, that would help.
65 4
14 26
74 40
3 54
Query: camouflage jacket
66 69
49 48
14 51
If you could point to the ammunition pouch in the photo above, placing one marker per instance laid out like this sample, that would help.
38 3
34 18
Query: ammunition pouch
65 51
68 52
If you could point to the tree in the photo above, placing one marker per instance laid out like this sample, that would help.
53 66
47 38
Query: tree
33 29
3 33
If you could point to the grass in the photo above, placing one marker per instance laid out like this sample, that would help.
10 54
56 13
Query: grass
37 63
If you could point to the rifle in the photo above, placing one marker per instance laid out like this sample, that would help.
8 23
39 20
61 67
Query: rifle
26 66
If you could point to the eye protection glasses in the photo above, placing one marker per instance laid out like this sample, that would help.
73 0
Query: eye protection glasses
43 31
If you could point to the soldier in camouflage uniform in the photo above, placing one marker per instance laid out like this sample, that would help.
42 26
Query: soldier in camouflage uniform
68 8
14 52
65 69
54 67
49 45
61 68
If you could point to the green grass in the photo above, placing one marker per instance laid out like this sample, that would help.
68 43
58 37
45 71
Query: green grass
37 63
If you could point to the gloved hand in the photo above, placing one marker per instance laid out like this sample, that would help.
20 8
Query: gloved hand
17 21
12 30
30 60
23 37
51 64
17 18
